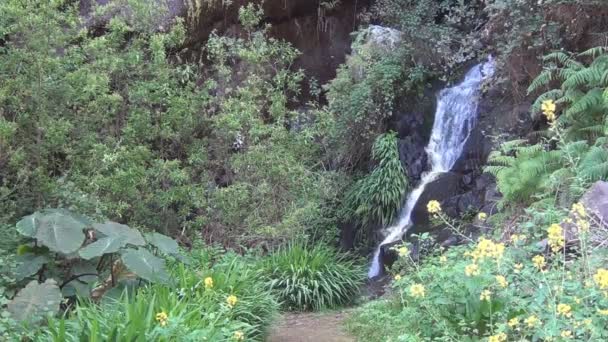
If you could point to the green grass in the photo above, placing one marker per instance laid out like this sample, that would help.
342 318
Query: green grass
312 278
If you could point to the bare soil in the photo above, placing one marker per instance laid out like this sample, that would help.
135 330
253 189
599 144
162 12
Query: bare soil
311 327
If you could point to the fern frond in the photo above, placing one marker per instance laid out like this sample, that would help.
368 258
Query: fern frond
593 52
558 56
592 99
541 80
494 170
583 77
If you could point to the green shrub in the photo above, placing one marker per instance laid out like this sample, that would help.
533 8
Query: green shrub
312 278
511 290
215 298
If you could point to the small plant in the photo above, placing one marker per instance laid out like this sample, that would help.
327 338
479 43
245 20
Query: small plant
312 278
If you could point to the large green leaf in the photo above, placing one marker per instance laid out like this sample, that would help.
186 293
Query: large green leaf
108 244
29 264
146 265
109 228
85 267
164 243
60 232
27 226
35 301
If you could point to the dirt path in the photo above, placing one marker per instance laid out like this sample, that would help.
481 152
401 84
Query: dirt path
311 327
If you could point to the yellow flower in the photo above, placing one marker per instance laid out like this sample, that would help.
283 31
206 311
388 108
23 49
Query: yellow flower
603 312
539 261
398 277
443 259
548 107
566 334
471 270
577 300
417 290
485 295
513 322
208 282
587 321
487 249
433 207
162 318
556 237
518 267
579 210
502 281
532 321
583 225
482 216
564 310
601 278
238 336
231 300
501 337
403 251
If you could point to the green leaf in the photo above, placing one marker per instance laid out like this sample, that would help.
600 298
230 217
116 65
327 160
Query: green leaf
146 265
108 244
113 229
60 232
29 264
85 267
35 301
27 226
164 243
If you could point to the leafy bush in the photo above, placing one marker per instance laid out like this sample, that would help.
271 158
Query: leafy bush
378 196
498 290
215 298
573 153
312 278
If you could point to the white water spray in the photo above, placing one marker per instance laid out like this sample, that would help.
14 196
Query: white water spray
455 117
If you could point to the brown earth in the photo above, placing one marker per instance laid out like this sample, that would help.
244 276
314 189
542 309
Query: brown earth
311 327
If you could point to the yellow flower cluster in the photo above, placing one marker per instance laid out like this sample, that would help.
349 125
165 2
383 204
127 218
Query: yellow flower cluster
162 318
532 321
487 249
518 267
548 107
238 336
433 207
601 278
501 337
578 209
566 334
231 300
564 310
417 290
208 283
515 238
482 216
502 281
471 270
556 237
403 251
539 261
513 322
398 277
485 295
443 259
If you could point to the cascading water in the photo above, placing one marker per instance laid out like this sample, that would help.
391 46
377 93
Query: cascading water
455 118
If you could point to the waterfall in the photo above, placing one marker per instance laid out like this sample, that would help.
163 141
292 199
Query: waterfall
455 117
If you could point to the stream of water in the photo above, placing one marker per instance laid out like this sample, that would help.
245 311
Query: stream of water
455 117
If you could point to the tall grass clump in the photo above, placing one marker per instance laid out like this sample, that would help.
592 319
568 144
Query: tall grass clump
312 277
